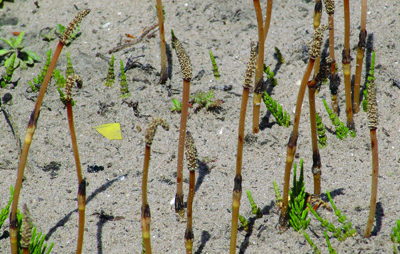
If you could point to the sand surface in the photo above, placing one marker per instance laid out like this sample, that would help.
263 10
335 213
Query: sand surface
226 28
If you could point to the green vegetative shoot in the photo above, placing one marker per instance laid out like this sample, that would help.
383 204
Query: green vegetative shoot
124 84
282 118
215 66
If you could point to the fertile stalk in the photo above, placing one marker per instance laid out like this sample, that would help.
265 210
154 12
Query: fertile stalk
262 35
26 230
237 189
163 72
314 52
373 125
145 210
186 68
330 10
191 156
81 184
346 62
317 22
360 56
32 124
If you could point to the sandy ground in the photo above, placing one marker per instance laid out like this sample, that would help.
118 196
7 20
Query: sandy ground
226 28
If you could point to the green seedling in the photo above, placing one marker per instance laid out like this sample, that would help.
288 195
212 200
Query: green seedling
341 130
5 211
254 208
341 233
331 250
205 100
282 118
395 237
371 78
315 248
279 56
270 76
124 84
177 107
321 132
278 197
110 74
244 222
297 212
60 79
37 81
24 56
215 66
10 68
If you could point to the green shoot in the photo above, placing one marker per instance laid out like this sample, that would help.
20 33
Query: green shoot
177 107
279 56
315 248
371 77
10 68
124 84
278 197
37 81
244 222
321 132
331 250
215 67
297 212
60 79
341 129
70 69
395 237
254 208
342 233
6 211
283 119
204 100
270 76
23 56
110 74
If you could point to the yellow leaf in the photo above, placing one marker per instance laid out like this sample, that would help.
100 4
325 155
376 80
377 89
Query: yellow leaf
110 130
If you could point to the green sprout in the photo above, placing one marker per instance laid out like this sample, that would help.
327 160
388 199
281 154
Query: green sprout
321 132
341 233
6 211
395 237
371 77
282 118
177 107
254 208
124 84
315 248
23 57
331 250
110 74
205 100
297 212
215 67
244 222
37 81
10 68
60 79
270 76
278 197
279 56
341 129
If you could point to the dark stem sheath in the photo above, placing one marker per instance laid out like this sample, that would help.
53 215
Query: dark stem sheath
145 220
189 227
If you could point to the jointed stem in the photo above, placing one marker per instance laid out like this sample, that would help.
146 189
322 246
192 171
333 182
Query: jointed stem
144 220
189 228
163 73
346 61
25 149
291 146
181 148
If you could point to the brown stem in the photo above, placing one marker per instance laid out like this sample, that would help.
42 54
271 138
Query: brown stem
374 182
81 208
181 148
259 69
346 61
145 221
317 22
267 18
291 146
163 72
316 168
25 149
237 194
73 139
243 108
189 229
333 64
